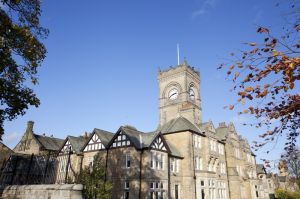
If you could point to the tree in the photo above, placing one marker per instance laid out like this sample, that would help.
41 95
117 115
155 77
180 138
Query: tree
293 163
265 77
21 53
94 181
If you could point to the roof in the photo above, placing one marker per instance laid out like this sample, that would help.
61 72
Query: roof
260 169
6 148
104 136
135 136
77 142
49 143
143 140
221 133
174 150
179 124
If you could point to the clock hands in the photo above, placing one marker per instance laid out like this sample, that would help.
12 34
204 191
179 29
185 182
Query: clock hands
172 95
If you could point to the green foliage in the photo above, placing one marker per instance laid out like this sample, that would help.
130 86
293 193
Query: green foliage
93 179
21 53
283 194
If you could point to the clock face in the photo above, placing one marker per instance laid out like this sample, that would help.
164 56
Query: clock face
173 94
191 94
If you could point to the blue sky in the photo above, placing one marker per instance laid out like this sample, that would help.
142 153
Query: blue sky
103 58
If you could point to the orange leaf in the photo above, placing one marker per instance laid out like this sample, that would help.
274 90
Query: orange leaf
236 74
246 111
264 93
243 94
254 51
231 107
262 29
249 89
239 65
292 85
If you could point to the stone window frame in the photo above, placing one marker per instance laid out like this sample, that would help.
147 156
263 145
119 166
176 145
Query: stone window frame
197 141
174 165
221 149
126 190
128 161
157 190
157 160
198 163
221 189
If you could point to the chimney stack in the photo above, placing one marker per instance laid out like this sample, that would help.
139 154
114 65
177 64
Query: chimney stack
222 124
30 126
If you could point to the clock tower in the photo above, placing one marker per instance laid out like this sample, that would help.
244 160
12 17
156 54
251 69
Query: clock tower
179 94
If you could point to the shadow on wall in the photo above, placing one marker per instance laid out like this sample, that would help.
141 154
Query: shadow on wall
133 173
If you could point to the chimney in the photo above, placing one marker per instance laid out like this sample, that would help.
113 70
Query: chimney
30 126
222 124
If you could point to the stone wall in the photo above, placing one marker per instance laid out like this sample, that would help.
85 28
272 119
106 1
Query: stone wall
67 191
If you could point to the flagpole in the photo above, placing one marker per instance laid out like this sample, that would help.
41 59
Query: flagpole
177 53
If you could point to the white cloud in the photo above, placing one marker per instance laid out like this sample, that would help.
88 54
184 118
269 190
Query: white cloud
206 6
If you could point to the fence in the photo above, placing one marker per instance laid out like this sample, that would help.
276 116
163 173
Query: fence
67 167
22 169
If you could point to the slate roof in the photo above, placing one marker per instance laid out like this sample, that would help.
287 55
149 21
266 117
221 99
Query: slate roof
221 133
142 140
4 147
104 136
260 169
49 143
134 135
77 142
174 150
179 124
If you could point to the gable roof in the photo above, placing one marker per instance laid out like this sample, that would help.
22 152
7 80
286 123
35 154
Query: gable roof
135 136
260 169
76 142
141 140
179 124
49 143
174 151
104 136
3 147
222 132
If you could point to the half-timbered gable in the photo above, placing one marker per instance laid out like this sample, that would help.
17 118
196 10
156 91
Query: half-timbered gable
98 140
70 158
159 144
121 140
67 147
94 144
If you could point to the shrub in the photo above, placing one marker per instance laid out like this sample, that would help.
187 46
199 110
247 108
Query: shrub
283 194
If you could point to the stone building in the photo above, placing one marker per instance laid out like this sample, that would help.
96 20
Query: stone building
183 158
70 154
5 153
32 143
